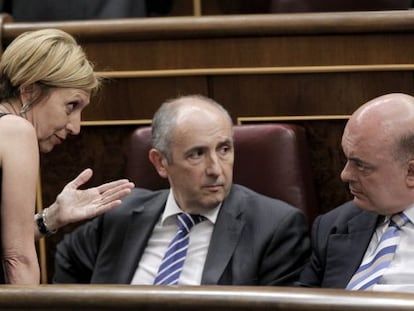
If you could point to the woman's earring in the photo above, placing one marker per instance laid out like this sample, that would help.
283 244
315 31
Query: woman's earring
25 108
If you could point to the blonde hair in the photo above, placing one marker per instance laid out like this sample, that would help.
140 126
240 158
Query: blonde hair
50 57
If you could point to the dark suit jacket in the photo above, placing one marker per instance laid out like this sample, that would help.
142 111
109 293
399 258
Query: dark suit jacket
339 241
256 241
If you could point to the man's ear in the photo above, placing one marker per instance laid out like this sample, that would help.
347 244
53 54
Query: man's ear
410 174
159 161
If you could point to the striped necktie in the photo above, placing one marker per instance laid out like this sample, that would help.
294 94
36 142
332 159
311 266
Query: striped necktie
173 260
373 267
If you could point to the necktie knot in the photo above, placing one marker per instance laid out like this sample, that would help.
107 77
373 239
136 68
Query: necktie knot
399 220
186 221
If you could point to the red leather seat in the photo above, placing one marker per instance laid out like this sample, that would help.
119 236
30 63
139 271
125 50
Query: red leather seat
270 158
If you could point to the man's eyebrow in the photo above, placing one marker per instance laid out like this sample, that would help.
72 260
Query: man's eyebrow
355 159
359 160
195 147
225 141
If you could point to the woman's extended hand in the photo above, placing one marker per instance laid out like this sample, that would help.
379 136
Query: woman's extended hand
73 204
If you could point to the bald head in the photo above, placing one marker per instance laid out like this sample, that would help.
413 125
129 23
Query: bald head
387 109
387 120
187 111
197 108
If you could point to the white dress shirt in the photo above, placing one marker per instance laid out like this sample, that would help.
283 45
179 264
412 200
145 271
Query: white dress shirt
164 231
399 276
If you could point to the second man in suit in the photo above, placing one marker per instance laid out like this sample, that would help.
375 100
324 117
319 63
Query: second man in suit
245 238
354 245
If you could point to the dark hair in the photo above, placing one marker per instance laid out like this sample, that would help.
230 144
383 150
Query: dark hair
7 90
405 147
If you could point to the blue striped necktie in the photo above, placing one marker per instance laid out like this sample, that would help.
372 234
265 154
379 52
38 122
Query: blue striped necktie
173 260
373 267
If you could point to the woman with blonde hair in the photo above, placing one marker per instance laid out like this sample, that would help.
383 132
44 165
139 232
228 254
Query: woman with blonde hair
45 83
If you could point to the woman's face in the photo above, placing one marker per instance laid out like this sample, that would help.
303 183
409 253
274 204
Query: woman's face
57 115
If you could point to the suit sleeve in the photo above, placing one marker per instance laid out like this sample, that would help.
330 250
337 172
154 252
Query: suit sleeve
287 253
76 254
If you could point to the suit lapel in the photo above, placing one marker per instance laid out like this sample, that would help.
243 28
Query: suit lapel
139 229
345 251
224 240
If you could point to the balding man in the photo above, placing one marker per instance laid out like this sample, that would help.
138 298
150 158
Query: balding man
361 245
241 238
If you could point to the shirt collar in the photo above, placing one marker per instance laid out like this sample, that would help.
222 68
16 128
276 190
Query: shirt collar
172 209
409 212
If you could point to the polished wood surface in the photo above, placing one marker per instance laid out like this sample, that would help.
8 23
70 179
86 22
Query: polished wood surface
226 26
200 298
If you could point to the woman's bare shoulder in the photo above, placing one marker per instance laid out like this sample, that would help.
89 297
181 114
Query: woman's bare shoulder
15 125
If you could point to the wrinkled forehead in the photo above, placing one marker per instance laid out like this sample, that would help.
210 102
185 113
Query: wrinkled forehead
368 140
203 128
202 115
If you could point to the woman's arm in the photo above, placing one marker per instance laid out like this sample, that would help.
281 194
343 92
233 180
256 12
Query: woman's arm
19 155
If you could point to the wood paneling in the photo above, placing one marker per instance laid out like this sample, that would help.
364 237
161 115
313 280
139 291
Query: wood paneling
305 94
250 95
129 99
262 51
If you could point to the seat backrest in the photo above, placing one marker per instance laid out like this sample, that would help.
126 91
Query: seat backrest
270 158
